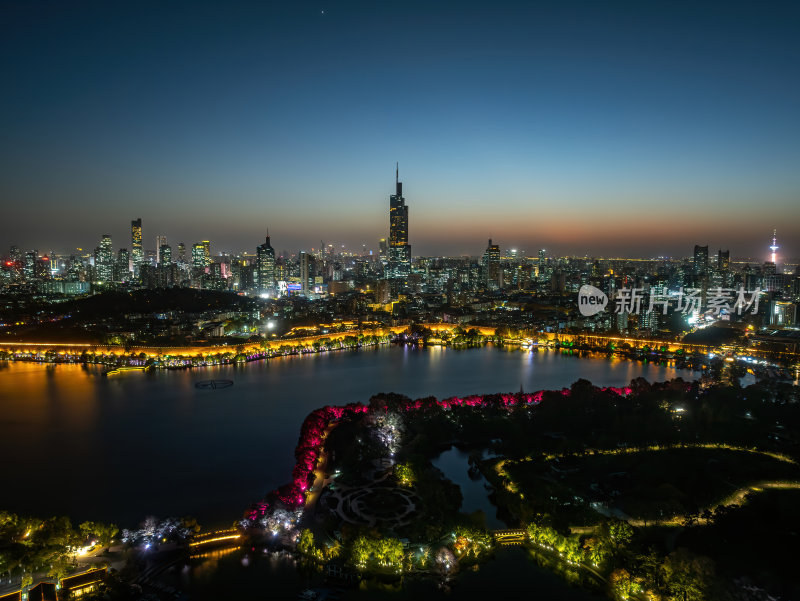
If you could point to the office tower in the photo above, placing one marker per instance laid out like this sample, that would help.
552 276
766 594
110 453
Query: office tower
493 275
207 252
265 267
160 241
29 264
137 255
306 273
399 249
198 256
245 276
723 260
164 254
123 266
700 259
181 253
104 260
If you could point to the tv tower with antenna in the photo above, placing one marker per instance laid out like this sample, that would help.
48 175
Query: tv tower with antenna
774 246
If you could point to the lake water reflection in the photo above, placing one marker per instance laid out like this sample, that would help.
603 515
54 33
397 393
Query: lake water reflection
454 463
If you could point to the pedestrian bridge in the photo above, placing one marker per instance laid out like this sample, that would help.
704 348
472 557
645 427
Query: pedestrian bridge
220 537
510 537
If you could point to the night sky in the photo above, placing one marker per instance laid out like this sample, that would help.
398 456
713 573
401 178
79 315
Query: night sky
599 128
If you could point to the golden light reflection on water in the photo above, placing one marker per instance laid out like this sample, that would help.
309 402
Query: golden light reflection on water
60 398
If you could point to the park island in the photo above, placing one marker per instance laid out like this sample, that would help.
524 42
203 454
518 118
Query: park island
652 491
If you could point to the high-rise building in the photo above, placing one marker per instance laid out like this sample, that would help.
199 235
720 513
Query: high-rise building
160 241
491 267
723 260
399 248
104 260
700 259
207 252
306 273
137 254
29 264
782 313
123 266
164 253
199 256
265 267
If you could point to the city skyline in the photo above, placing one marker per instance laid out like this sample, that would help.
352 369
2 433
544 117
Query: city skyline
609 130
769 252
396 253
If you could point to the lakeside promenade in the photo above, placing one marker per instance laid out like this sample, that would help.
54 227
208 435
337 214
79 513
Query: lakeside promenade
39 351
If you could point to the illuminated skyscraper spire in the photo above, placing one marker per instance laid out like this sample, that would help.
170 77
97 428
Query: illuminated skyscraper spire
398 187
399 266
774 247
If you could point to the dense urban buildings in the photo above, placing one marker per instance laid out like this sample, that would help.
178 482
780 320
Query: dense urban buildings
664 297
649 297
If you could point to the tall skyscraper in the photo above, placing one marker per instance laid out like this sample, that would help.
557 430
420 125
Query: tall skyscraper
160 241
164 254
123 267
137 255
198 255
104 260
306 273
399 248
29 264
723 260
265 267
700 259
491 267
207 252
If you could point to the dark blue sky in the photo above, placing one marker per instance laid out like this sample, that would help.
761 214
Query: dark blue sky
583 127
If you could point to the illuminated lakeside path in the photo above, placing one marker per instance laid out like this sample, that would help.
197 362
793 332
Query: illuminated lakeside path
737 497
320 471
593 341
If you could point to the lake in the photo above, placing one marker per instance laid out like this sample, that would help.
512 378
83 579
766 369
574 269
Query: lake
123 447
